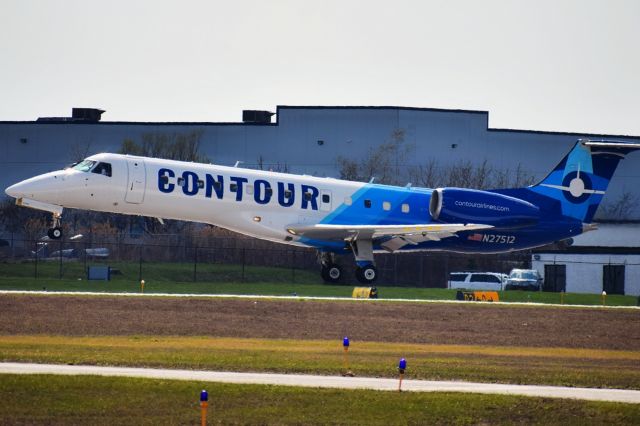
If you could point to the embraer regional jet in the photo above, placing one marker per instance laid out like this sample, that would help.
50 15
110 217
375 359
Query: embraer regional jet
336 216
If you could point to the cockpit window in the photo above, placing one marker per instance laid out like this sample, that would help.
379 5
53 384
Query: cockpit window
103 169
84 166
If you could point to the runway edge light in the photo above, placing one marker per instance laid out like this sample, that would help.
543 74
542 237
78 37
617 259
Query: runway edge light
204 403
345 345
402 365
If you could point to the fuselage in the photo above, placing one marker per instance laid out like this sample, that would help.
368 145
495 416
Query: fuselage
265 204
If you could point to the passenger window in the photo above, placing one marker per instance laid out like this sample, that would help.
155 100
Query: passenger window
326 198
249 189
233 187
405 208
287 194
367 204
457 277
348 201
200 184
180 181
307 196
386 206
103 169
269 192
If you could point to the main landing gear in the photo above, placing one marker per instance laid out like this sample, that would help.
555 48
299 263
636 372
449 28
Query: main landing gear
331 271
55 232
366 272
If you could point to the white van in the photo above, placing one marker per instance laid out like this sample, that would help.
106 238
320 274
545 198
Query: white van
477 280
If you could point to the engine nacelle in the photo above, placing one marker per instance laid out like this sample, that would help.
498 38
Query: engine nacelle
457 205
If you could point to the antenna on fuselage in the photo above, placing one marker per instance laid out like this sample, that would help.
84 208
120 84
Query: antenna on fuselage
238 163
372 179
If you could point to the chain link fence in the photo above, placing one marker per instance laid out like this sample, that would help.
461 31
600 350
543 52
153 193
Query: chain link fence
185 259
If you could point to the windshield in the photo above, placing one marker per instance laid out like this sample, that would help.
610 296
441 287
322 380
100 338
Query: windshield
84 166
527 275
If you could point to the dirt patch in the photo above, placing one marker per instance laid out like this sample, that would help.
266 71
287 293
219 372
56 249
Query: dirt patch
386 321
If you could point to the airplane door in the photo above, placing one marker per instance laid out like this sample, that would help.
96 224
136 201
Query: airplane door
137 177
325 200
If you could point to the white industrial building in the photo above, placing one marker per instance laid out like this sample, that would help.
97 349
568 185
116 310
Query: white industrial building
606 259
311 139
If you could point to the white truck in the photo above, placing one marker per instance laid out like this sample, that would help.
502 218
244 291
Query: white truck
490 281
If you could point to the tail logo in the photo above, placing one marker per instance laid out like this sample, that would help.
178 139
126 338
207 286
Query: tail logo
576 187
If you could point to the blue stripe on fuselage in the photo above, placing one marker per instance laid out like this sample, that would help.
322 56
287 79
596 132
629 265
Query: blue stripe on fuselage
358 214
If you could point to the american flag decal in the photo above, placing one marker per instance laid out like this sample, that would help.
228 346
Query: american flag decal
475 237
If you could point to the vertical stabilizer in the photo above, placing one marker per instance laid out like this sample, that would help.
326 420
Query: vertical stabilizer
580 180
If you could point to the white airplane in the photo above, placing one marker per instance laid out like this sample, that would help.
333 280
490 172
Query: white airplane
336 216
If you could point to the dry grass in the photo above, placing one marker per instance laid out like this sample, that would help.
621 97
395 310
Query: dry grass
557 366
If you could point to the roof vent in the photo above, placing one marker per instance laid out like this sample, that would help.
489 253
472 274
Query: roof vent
254 116
86 114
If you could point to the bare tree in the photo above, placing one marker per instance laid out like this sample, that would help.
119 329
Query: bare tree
79 151
172 146
385 162
620 209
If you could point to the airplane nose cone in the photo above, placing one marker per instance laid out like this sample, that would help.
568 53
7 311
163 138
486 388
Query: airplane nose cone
14 191
41 188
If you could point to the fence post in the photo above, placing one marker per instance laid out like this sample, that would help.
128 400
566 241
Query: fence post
60 255
395 269
195 264
243 261
35 264
140 267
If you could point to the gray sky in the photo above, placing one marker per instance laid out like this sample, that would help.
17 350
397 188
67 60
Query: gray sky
541 65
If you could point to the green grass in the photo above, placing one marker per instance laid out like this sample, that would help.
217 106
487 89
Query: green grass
129 272
551 366
48 399
163 277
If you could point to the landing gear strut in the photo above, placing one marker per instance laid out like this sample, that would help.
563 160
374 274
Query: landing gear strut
55 232
331 271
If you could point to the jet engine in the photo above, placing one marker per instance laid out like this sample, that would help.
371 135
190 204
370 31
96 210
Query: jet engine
458 205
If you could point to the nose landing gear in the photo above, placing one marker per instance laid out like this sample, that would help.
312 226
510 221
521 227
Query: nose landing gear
55 232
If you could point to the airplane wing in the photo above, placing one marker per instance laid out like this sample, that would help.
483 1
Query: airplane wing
395 236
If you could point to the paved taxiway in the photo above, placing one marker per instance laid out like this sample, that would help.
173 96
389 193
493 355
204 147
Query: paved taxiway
615 395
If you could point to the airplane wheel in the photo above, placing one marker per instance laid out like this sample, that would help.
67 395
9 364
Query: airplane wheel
367 274
55 233
331 273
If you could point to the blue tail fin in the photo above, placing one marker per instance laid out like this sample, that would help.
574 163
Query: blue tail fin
581 179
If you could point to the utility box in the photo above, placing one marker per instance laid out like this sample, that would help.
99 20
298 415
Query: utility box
99 273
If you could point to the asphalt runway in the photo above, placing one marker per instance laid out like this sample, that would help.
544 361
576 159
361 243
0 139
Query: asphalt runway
590 394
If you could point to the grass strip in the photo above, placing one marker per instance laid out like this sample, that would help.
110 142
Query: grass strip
64 400
300 286
518 365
